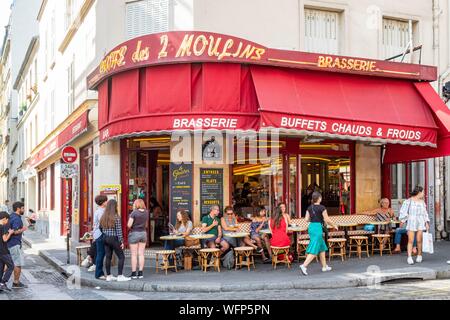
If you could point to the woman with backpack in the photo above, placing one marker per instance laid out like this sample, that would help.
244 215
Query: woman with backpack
111 227
414 213
317 216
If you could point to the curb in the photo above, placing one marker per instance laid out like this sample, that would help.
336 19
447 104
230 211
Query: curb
340 282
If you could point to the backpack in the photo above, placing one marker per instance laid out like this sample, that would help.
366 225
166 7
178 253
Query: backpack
228 260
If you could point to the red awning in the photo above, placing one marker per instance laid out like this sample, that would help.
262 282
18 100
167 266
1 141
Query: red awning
163 99
441 114
344 106
76 128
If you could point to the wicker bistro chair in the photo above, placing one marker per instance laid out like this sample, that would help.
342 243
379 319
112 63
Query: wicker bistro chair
277 251
244 257
380 243
356 243
165 254
336 248
214 255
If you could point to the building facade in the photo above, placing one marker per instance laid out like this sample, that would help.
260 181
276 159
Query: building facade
75 35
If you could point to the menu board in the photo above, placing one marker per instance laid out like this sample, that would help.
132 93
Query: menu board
211 189
180 189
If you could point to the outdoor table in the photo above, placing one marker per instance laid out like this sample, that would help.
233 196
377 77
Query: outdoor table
237 235
379 224
265 231
205 236
171 237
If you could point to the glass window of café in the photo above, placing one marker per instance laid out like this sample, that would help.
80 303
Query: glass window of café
291 175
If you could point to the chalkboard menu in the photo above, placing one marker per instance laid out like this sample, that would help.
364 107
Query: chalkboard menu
211 189
180 189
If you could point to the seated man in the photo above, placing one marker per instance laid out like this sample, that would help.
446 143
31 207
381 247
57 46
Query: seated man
211 225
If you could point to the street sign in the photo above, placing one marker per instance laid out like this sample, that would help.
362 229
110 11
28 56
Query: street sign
69 170
69 154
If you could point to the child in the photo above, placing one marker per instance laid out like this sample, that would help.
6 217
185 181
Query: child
260 222
5 257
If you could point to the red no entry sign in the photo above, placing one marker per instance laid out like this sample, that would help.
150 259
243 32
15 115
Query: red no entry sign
69 154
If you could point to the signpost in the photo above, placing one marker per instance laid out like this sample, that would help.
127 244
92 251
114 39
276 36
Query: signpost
68 170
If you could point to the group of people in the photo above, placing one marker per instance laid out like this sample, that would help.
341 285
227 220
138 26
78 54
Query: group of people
108 238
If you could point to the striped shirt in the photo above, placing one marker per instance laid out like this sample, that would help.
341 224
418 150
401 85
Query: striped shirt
116 231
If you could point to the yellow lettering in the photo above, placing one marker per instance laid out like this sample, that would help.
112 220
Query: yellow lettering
164 43
204 41
344 63
350 64
321 62
214 46
140 54
185 47
227 46
373 66
113 60
236 54
259 53
248 51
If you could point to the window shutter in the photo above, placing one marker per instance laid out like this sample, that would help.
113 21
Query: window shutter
395 37
321 31
146 17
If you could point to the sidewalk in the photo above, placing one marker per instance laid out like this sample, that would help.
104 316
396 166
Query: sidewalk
351 273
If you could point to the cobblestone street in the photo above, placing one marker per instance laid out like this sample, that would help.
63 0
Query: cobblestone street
45 283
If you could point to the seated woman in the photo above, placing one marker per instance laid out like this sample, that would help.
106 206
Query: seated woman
229 223
32 218
183 228
383 213
278 226
259 222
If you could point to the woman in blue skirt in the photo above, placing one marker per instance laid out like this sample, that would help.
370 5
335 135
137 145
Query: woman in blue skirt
316 215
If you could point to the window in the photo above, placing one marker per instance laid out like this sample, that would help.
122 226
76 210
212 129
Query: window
146 16
69 13
43 190
321 31
70 88
404 178
52 111
52 187
396 36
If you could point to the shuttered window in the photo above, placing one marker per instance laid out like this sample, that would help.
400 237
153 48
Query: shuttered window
395 38
322 31
146 17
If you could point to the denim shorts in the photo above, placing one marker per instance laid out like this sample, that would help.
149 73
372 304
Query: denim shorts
137 237
17 256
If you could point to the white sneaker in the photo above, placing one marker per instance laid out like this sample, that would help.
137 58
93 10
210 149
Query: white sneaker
110 278
91 268
326 269
86 263
122 278
303 270
419 259
448 261
410 260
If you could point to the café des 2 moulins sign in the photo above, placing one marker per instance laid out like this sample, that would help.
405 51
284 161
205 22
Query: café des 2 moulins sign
180 189
211 189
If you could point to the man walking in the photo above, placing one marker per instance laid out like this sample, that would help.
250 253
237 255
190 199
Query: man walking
5 257
15 242
101 202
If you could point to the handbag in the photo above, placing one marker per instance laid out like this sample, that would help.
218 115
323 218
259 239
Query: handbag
324 227
191 242
427 243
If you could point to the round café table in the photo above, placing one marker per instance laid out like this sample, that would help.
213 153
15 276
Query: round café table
205 236
237 235
171 237
346 226
265 231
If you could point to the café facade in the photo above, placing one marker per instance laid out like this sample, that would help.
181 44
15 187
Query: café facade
202 118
